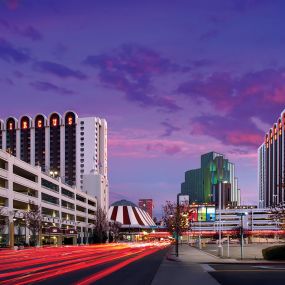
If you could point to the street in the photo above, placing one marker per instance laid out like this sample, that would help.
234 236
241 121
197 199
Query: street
103 264
248 274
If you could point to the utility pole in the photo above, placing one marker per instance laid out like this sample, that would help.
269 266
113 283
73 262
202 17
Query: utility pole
241 215
176 224
220 247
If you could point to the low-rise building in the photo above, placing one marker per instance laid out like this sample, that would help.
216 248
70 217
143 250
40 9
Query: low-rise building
68 213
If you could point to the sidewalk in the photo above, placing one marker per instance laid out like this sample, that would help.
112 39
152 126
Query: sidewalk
187 268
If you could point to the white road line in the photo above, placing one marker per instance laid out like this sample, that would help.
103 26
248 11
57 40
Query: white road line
207 267
269 267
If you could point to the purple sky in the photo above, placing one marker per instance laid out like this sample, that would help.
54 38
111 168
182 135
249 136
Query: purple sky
174 79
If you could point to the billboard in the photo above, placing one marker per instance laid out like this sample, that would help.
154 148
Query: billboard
183 199
202 213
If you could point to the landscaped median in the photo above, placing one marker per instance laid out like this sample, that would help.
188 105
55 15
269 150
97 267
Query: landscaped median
276 252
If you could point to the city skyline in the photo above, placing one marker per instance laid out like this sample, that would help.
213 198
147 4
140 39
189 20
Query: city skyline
173 80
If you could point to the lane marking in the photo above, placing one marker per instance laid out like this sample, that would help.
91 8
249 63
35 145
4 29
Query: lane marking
269 267
250 270
207 267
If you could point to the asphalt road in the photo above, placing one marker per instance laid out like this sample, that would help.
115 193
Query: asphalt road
103 264
248 274
140 272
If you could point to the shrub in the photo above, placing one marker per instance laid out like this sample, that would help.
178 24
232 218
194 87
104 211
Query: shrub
276 252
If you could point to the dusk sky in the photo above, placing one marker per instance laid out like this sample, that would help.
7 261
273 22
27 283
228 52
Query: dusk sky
174 80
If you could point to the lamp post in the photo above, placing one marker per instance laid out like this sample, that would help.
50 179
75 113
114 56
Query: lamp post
176 225
200 232
220 247
241 215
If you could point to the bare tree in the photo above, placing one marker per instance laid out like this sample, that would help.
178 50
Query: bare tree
114 229
100 226
277 215
278 209
33 219
176 217
4 220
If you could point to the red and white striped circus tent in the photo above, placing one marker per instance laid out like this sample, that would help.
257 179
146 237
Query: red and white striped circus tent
129 215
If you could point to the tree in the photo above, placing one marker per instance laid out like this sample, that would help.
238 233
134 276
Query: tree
4 220
114 230
33 219
176 217
100 226
278 209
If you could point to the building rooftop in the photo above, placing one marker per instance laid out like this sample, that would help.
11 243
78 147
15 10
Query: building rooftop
124 203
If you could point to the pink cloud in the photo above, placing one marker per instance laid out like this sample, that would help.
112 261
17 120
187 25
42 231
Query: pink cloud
278 95
13 4
239 138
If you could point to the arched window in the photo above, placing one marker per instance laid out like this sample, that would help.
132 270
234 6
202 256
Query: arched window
11 136
25 137
40 136
55 142
70 148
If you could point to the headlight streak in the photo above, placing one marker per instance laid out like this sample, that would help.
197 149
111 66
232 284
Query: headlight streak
35 265
95 277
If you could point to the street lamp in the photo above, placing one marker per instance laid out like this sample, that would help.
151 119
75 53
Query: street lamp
176 224
200 232
53 173
220 247
241 215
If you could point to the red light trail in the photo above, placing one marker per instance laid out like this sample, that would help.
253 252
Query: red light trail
38 264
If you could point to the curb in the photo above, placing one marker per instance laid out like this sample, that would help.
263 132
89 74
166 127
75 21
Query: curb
176 259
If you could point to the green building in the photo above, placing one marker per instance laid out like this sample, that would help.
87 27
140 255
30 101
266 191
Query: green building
202 184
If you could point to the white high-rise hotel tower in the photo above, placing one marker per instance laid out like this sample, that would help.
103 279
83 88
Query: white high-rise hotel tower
67 146
271 165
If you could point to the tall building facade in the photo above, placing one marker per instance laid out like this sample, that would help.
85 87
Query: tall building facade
146 205
64 146
271 165
202 184
192 185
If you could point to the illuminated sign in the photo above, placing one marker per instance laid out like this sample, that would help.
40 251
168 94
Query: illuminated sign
24 125
54 122
70 121
39 123
211 214
54 230
183 199
202 213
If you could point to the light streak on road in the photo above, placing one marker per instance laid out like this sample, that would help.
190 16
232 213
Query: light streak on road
114 268
38 264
